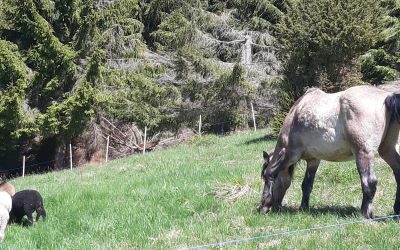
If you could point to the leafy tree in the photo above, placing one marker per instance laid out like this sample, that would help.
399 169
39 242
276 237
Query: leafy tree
60 61
224 102
382 62
155 11
320 40
15 121
324 37
262 14
51 101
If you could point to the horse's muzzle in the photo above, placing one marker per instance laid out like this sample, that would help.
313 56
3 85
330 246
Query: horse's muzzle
266 200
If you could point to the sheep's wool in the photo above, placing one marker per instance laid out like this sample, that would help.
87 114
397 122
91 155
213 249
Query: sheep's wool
5 208
7 187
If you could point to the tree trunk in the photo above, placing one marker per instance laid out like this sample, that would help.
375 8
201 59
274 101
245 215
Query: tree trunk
60 154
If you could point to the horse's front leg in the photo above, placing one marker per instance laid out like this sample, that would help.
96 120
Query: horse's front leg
308 182
364 161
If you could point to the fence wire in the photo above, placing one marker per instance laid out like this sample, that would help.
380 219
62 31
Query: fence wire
289 233
14 169
7 170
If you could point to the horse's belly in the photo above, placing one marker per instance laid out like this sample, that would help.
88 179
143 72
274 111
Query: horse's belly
332 154
336 149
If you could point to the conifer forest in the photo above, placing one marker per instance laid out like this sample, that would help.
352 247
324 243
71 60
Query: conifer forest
77 71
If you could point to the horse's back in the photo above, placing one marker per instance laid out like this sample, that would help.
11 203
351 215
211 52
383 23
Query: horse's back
329 126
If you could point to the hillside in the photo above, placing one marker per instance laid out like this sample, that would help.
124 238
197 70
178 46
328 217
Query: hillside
202 192
76 72
72 71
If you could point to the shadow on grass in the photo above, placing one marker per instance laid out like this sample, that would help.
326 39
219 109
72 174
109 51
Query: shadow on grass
267 137
341 211
24 222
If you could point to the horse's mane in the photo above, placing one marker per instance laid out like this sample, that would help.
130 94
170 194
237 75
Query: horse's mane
392 103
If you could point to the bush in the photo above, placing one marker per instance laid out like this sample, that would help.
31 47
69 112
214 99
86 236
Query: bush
320 41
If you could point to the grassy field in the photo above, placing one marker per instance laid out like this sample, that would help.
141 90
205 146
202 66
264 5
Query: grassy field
199 193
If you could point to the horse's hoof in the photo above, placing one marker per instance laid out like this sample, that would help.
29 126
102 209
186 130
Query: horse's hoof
368 215
304 208
263 210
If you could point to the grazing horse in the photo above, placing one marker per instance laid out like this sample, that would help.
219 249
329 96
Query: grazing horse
352 124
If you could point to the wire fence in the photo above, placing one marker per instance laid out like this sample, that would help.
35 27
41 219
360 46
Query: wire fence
289 233
68 159
13 169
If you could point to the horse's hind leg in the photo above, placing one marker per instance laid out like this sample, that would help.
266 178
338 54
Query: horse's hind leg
308 182
364 161
393 159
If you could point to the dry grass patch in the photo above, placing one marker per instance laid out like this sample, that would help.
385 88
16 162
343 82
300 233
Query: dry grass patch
233 192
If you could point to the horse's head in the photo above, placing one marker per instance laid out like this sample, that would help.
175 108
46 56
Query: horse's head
271 168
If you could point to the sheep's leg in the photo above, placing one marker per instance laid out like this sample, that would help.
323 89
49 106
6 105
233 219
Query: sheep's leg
18 219
30 218
3 227
40 212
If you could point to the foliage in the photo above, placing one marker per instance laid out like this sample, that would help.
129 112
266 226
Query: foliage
261 13
116 29
382 62
53 56
174 32
376 66
256 14
162 63
139 100
324 37
321 40
14 80
285 101
224 101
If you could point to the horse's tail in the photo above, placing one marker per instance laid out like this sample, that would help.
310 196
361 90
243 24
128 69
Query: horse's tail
392 103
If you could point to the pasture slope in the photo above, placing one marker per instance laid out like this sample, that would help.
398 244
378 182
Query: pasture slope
202 192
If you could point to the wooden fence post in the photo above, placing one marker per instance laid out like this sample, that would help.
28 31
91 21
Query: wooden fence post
200 125
254 118
23 166
70 155
144 141
108 143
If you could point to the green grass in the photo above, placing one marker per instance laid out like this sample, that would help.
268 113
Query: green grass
171 199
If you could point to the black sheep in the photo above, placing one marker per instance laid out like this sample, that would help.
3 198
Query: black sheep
26 202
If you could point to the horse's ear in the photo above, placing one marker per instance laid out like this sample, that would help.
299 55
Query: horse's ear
266 157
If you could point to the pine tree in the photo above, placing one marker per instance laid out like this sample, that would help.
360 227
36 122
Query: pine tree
320 41
382 62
